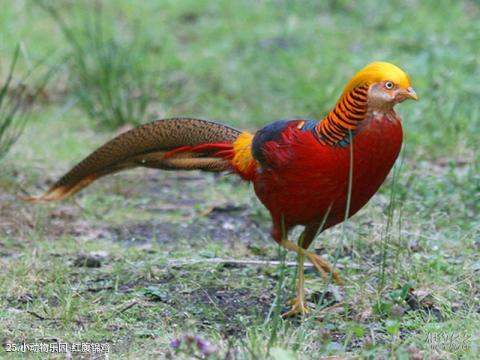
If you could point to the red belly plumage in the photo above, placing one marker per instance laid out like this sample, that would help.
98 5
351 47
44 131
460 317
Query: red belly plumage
307 177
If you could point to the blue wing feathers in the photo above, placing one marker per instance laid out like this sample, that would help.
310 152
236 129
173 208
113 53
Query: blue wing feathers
272 132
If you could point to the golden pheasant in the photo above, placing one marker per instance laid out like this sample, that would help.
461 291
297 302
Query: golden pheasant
313 173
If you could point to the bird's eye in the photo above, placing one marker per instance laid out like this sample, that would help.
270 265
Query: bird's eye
389 85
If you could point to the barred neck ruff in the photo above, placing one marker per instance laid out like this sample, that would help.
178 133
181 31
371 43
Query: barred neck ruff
349 111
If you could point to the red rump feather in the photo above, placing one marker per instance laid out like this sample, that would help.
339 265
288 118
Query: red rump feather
222 150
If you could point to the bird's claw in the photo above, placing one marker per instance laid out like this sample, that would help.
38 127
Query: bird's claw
323 267
299 307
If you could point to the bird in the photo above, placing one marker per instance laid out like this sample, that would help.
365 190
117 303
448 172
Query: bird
312 173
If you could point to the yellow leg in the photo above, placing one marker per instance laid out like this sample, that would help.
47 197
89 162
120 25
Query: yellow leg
322 266
298 303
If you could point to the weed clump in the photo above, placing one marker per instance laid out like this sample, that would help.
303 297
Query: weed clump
16 99
109 73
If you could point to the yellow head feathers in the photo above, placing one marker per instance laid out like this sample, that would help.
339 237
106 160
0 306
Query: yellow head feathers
376 72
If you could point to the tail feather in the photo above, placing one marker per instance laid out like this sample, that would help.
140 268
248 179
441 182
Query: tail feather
171 144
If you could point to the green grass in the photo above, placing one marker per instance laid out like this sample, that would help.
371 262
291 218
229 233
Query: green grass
246 64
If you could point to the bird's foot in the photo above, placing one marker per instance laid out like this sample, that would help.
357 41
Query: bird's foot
299 307
324 268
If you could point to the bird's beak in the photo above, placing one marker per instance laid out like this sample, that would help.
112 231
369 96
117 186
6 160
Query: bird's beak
411 94
405 94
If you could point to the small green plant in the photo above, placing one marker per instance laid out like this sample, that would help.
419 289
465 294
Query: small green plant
384 307
109 75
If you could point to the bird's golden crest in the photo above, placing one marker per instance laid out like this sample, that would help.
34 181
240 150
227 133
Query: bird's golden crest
376 72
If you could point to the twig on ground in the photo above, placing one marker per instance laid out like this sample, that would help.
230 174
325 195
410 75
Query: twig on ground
38 316
126 306
43 318
233 262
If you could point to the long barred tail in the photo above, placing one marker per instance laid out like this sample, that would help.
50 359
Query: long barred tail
171 144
